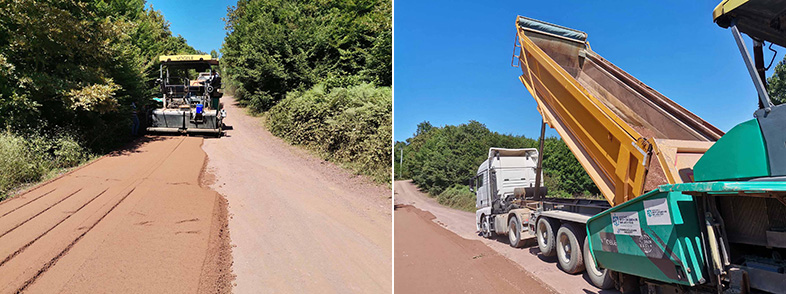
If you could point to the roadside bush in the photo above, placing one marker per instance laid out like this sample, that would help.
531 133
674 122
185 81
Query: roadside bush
459 197
33 157
16 164
346 125
68 152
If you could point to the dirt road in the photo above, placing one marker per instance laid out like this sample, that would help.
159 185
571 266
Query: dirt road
298 224
431 259
462 223
134 221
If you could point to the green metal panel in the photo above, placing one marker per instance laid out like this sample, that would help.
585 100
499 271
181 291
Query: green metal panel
757 187
740 154
659 248
657 236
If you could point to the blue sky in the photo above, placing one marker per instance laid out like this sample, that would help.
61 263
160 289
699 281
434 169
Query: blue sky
200 21
452 59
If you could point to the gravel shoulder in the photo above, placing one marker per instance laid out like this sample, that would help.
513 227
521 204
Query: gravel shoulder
298 223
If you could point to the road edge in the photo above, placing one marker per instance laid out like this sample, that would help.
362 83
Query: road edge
217 275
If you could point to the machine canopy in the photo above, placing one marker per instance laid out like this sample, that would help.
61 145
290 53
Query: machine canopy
763 19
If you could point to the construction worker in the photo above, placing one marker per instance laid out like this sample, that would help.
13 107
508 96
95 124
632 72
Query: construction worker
134 120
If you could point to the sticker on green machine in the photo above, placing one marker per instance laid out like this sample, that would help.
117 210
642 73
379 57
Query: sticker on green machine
657 211
626 223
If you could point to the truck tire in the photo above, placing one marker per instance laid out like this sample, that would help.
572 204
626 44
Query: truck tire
485 228
545 231
600 277
514 233
569 255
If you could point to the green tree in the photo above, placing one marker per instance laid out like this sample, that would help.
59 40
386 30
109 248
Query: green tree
438 158
275 47
776 84
56 77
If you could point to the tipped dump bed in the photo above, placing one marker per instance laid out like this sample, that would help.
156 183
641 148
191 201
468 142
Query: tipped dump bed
629 137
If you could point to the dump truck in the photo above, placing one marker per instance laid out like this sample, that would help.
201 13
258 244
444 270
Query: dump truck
190 96
688 208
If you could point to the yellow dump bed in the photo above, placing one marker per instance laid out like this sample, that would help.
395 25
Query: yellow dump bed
628 137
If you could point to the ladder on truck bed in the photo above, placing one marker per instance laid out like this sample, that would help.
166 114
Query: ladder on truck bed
627 136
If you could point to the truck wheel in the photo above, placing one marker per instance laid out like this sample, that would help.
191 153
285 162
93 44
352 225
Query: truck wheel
485 228
600 277
545 231
514 233
569 255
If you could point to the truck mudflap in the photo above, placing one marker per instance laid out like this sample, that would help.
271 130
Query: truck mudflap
655 236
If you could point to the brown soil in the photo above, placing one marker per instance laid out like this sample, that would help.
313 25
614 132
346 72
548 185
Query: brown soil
298 224
431 259
461 225
133 221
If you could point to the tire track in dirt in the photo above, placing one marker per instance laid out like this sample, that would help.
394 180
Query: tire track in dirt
46 208
26 203
40 212
65 250
86 232
48 230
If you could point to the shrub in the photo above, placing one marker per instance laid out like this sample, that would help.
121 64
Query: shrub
33 157
459 197
347 125
68 152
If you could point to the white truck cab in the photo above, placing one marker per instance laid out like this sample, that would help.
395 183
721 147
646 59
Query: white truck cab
502 184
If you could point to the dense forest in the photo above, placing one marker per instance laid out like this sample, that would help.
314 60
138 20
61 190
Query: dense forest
441 160
320 71
69 72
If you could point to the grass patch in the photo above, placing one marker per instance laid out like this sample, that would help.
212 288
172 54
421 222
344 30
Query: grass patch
28 159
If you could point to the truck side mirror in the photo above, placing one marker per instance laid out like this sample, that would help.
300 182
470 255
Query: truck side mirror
158 82
472 185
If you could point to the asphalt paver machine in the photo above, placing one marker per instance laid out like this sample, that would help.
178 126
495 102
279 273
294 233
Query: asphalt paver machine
190 96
